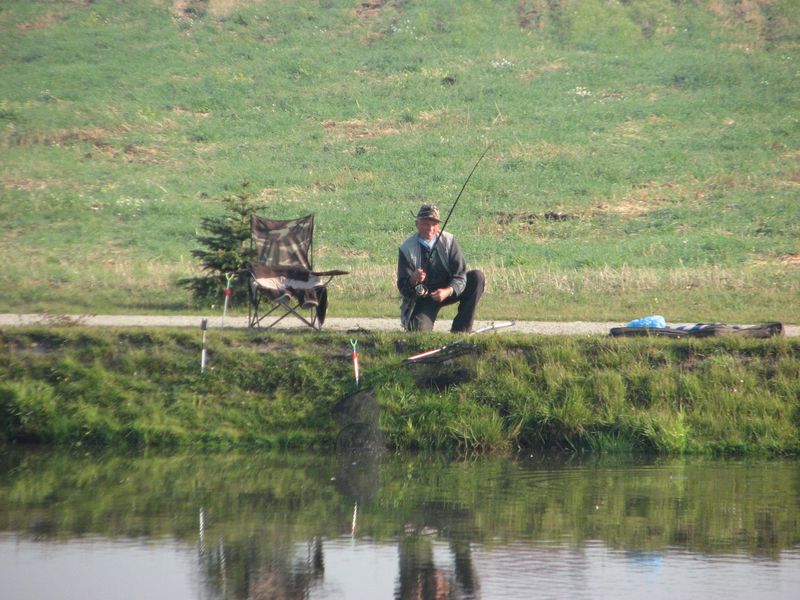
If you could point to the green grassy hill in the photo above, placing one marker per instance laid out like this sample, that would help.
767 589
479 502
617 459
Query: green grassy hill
644 157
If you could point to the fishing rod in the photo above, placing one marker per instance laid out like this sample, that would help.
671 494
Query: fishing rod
420 289
444 349
463 187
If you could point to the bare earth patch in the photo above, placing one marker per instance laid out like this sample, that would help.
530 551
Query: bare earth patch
52 17
790 259
91 135
26 185
218 9
97 137
525 221
542 70
222 8
45 20
545 150
198 115
68 137
353 253
367 10
644 199
358 129
377 17
187 10
641 201
181 8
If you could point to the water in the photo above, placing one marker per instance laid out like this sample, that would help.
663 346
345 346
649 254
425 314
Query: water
322 527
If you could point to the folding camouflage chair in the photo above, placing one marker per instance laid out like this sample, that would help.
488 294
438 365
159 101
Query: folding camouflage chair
282 279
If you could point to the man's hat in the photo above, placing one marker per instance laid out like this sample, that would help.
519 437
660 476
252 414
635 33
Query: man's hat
429 211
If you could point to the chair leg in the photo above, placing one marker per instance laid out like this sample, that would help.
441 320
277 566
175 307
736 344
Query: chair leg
252 306
252 313
313 319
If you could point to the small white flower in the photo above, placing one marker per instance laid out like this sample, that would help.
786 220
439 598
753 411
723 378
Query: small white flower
502 64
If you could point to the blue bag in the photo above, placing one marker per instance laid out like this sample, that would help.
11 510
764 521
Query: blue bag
653 322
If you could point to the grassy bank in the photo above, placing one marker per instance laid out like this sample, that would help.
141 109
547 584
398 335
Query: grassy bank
143 388
644 158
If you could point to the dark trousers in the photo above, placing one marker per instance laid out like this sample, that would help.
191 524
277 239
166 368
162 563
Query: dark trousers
426 309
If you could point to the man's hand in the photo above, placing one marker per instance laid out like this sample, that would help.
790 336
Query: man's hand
441 294
417 278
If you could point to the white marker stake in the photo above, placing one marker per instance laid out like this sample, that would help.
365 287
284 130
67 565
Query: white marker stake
229 277
354 343
203 327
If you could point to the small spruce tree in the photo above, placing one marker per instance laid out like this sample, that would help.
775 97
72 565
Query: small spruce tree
225 241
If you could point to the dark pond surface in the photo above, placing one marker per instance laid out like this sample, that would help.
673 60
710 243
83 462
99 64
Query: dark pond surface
258 526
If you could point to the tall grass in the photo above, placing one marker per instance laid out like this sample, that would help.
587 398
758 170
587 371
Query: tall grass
656 139
704 294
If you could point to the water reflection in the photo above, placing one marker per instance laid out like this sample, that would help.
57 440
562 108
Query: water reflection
402 527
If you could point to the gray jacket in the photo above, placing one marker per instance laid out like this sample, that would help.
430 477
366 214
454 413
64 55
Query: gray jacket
447 268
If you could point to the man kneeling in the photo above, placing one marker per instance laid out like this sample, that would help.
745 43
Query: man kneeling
432 273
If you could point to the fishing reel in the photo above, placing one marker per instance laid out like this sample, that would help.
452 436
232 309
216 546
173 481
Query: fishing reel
421 291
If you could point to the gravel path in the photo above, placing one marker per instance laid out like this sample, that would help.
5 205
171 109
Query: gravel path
332 324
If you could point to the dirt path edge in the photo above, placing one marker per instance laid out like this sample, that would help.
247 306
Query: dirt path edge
332 324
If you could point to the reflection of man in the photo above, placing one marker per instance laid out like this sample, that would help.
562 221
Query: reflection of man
432 273
419 579
283 579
